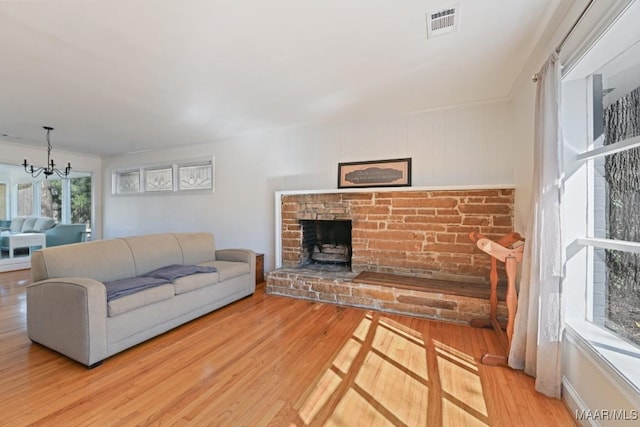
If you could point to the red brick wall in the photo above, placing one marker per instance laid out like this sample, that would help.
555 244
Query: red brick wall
423 233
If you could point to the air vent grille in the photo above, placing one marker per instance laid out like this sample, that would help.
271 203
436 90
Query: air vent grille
442 21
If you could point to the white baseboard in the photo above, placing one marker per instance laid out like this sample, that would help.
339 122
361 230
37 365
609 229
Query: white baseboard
574 403
12 264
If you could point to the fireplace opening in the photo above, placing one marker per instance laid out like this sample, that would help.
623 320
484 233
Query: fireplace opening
326 242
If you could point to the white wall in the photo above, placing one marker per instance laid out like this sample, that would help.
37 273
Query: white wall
468 145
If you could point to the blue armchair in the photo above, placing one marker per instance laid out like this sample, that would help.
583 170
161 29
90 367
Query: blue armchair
63 234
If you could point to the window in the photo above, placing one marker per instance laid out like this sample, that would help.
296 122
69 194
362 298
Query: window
81 201
66 201
25 199
127 182
616 190
185 176
601 125
51 199
195 177
158 179
3 201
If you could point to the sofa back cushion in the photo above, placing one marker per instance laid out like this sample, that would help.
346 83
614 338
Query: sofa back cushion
196 247
103 260
29 223
16 224
154 251
116 259
20 224
43 224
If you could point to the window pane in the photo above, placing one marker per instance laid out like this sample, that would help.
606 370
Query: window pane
158 179
25 199
3 201
51 199
195 177
616 89
128 182
617 196
620 285
81 201
616 95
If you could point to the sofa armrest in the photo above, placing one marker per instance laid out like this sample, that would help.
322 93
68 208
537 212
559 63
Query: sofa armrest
69 315
237 255
240 255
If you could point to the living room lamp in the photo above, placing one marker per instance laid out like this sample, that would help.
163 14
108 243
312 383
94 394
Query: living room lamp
50 168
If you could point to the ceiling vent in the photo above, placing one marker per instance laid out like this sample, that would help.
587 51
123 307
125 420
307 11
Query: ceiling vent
442 21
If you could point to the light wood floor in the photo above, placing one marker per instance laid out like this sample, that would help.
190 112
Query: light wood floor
272 361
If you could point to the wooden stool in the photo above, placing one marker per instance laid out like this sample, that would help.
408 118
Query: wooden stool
507 249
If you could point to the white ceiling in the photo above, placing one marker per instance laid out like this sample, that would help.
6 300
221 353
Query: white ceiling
117 76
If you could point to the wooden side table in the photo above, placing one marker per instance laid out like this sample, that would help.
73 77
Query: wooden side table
259 268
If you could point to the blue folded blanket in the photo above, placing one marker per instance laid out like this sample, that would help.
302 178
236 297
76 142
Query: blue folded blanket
161 276
175 271
131 285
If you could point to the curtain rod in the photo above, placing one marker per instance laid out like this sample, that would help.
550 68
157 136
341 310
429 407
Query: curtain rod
566 36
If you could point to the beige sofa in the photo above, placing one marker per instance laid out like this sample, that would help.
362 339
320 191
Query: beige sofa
67 307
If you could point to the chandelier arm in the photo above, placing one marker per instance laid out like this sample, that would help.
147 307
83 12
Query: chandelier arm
61 174
36 172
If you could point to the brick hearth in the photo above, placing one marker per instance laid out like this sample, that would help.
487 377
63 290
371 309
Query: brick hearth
338 288
414 232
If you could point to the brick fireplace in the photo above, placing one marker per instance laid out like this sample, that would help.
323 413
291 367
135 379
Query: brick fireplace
421 233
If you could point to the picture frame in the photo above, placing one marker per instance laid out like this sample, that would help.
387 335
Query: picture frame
375 173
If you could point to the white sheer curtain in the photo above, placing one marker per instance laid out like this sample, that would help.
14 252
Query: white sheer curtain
540 317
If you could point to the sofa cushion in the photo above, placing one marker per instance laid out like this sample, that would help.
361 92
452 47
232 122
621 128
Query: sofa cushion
43 224
102 260
122 287
228 269
175 271
139 299
194 281
196 247
29 223
153 251
16 224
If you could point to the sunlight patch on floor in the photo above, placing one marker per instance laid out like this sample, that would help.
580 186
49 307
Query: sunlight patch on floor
454 416
354 408
347 355
463 400
379 377
386 384
404 349
327 385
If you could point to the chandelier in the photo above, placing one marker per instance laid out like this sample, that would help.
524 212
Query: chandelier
50 168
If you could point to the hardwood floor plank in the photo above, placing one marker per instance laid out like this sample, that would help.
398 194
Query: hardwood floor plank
271 361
